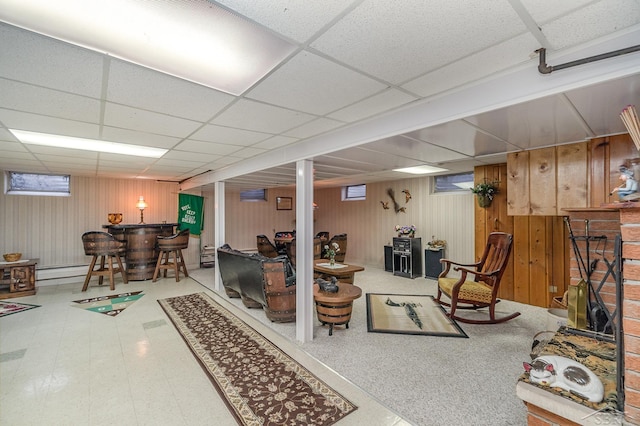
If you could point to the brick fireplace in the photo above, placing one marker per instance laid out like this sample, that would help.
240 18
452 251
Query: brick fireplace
610 220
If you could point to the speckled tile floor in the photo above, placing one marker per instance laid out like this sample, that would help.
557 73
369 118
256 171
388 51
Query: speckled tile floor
62 366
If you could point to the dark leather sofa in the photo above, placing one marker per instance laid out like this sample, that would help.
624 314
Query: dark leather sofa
260 281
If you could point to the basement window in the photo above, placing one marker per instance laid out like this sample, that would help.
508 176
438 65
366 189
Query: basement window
253 195
354 192
453 183
17 183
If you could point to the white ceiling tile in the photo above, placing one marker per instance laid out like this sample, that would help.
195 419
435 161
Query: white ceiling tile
544 10
483 64
22 165
593 21
442 31
600 105
18 156
383 101
228 135
137 86
461 138
275 142
207 147
146 121
248 152
196 157
260 117
298 20
10 146
125 160
38 100
41 123
50 152
313 128
50 63
115 134
315 85
533 124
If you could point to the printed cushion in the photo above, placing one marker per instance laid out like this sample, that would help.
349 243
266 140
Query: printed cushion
470 290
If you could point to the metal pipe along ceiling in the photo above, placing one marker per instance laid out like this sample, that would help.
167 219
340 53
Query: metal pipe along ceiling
543 68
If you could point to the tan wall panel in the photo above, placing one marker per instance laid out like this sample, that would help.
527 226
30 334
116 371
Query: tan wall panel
518 183
521 258
538 257
542 169
572 176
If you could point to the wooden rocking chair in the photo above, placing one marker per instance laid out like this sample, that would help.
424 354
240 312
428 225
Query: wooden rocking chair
481 291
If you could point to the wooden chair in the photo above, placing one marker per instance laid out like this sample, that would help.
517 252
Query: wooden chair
280 246
172 246
482 290
107 248
291 252
341 240
323 235
317 248
266 247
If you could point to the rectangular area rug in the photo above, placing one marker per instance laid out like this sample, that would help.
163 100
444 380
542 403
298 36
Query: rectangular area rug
409 314
260 383
8 308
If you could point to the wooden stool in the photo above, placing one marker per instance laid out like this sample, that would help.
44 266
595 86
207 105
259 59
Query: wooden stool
172 246
105 246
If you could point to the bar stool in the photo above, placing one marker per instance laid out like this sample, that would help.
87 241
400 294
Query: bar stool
172 246
105 246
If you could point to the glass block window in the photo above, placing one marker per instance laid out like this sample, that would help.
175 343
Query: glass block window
17 183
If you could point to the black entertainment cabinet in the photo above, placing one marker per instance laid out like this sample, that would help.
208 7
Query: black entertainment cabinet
407 258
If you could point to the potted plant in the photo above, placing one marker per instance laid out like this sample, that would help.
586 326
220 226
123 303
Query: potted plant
485 192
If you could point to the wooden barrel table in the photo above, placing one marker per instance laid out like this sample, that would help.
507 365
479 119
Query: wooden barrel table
335 308
142 252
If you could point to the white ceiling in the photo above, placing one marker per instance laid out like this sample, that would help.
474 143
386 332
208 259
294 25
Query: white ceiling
371 85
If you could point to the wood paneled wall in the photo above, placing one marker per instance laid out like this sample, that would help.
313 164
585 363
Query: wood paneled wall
539 265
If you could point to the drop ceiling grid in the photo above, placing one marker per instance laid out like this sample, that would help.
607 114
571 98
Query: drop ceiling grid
68 68
53 103
139 87
42 123
259 117
146 121
296 20
315 85
443 31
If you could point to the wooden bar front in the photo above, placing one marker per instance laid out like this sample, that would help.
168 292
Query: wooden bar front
142 253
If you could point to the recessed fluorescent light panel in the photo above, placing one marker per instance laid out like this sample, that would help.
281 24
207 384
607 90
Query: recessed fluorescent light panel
34 138
420 170
195 40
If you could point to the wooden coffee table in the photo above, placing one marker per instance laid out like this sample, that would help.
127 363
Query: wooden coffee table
335 308
343 272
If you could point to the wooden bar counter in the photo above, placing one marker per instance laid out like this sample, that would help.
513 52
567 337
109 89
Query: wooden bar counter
142 254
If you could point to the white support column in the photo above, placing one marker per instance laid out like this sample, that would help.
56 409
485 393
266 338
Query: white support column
304 251
219 224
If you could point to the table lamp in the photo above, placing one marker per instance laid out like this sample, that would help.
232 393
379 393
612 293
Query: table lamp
141 205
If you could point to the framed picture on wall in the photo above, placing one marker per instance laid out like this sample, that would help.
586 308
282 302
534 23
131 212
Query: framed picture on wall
283 203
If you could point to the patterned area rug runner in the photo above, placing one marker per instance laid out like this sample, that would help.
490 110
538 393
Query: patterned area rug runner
8 308
259 382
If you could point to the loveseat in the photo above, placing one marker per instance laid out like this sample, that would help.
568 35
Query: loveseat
260 281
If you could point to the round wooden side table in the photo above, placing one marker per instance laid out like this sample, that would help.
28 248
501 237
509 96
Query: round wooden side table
335 308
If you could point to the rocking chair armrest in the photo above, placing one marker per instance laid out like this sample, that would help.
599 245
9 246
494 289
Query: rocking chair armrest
449 261
466 271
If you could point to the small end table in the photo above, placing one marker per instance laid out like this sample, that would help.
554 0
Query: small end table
335 308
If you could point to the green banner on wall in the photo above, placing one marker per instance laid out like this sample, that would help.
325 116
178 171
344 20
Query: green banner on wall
190 213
